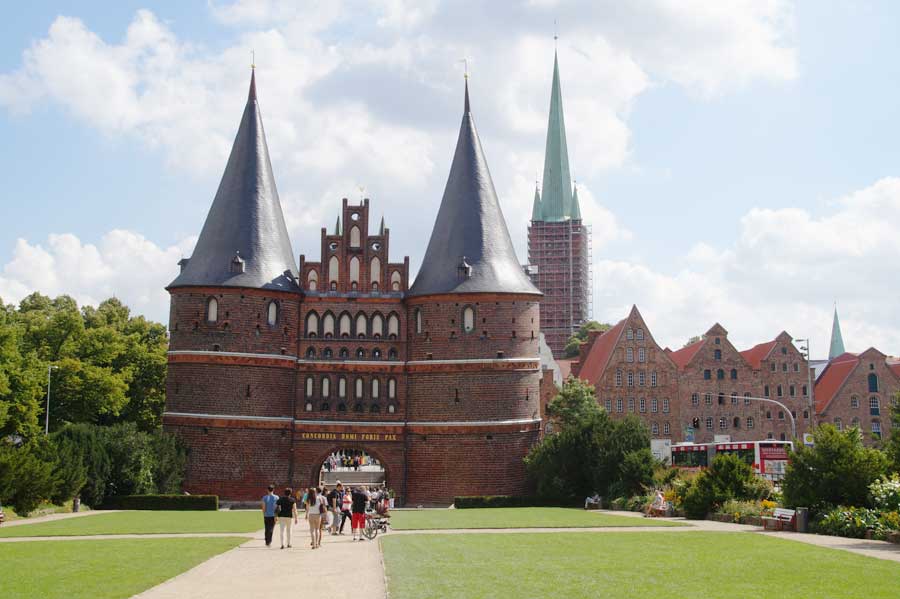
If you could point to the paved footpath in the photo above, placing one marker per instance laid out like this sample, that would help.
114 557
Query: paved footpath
254 570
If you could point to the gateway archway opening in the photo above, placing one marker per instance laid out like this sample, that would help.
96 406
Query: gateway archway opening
352 466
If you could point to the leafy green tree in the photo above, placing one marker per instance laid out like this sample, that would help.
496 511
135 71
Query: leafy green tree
836 470
26 476
728 477
575 401
573 345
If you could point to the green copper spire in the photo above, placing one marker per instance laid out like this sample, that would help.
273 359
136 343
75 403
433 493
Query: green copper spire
576 207
557 197
536 207
837 340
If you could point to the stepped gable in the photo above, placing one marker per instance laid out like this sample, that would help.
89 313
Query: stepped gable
244 241
756 354
470 250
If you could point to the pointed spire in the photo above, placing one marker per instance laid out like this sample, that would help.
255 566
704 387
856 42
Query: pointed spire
837 340
470 230
536 206
557 196
244 241
381 227
466 109
337 225
576 205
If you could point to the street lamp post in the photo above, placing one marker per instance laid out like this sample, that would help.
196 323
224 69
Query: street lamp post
50 368
786 411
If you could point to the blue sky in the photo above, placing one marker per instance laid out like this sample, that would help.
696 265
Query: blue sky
737 159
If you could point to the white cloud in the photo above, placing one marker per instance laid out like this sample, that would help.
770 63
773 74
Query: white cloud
123 264
784 271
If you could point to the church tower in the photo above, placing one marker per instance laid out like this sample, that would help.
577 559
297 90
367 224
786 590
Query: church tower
473 365
559 243
233 325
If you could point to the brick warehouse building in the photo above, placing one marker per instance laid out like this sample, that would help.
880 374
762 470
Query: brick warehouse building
559 242
274 367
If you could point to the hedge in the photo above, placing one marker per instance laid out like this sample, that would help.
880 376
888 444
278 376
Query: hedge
479 501
162 502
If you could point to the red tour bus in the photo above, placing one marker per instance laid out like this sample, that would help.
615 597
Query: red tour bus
769 458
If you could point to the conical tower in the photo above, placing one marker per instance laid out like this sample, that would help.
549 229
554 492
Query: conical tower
233 330
473 343
837 340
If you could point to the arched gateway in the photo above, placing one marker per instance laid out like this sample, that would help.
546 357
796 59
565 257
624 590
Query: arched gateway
276 382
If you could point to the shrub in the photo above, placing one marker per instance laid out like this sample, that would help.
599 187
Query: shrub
851 522
837 470
162 502
26 476
728 477
885 493
84 443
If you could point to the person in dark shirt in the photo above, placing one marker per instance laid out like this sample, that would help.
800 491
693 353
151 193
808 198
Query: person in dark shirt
359 499
287 515
334 506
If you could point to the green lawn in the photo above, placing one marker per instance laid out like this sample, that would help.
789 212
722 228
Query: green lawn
141 522
637 564
514 517
100 569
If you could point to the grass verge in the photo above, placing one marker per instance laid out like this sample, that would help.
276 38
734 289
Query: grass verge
100 569
618 564
141 522
514 517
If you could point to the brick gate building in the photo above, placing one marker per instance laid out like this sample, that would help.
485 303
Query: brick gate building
272 367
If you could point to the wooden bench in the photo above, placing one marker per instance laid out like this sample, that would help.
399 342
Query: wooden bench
781 519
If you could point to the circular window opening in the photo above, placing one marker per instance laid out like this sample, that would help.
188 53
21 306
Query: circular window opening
333 246
354 216
376 246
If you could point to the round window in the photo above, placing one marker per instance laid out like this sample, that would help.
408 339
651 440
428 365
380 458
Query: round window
376 246
354 216
333 246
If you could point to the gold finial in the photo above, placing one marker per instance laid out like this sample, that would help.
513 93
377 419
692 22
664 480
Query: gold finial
253 59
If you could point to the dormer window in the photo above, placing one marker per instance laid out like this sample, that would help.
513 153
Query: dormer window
237 263
464 269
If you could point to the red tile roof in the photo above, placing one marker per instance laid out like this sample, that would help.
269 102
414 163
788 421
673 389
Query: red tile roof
832 379
895 367
598 357
683 356
756 354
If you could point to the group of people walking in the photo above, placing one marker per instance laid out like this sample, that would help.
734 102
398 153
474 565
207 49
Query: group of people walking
348 460
323 510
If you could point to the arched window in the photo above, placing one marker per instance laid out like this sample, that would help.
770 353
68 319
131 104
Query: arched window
873 383
629 334
734 374
375 272
358 407
334 270
781 414
311 353
377 326
709 423
855 422
212 310
376 354
395 280
468 319
272 314
345 325
393 326
874 406
361 326
325 407
392 388
328 325
418 321
360 353
354 237
309 386
723 423
327 353
326 386
354 272
640 334
342 407
358 391
312 280
376 388
342 387
392 408
375 409
312 325
736 422
309 406
717 355
838 424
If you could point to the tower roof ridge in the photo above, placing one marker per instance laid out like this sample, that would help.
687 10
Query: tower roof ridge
470 250
244 241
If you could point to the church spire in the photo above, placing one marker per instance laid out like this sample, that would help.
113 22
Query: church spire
837 340
244 241
557 184
536 206
576 206
470 250
337 225
381 226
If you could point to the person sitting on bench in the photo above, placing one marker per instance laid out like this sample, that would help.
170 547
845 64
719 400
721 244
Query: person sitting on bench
592 501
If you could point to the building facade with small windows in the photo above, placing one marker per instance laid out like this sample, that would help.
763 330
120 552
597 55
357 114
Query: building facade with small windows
858 390
632 375
274 365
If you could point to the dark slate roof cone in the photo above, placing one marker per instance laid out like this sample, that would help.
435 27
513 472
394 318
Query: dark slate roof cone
244 241
470 250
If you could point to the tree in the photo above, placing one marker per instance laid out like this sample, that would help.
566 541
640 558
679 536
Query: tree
575 401
728 477
836 470
892 446
26 476
573 345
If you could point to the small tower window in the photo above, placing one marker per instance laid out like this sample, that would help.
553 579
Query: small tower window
354 237
354 272
468 319
342 387
358 390
312 280
376 388
272 314
395 280
326 386
419 321
212 310
392 388
375 272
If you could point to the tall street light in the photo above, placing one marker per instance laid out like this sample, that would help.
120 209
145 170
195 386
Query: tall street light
50 368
